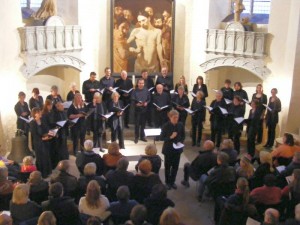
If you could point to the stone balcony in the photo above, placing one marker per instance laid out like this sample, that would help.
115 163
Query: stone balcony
236 43
46 46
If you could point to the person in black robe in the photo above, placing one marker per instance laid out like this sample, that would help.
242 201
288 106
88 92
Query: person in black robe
72 92
140 98
198 118
106 84
62 134
262 100
227 91
149 84
217 118
165 80
180 102
182 83
236 110
161 99
36 100
54 97
172 133
124 85
22 110
200 86
77 111
116 120
89 87
40 138
252 126
97 120
272 116
238 90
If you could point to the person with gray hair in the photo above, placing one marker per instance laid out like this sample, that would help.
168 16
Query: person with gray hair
6 186
172 133
120 210
217 118
88 156
180 103
72 92
271 217
54 97
117 178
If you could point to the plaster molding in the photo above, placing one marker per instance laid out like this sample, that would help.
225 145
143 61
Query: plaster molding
255 66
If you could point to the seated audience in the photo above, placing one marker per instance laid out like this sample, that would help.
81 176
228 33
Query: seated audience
21 208
245 169
237 207
47 218
206 160
90 174
296 220
68 181
63 207
170 217
271 217
295 164
111 158
117 178
13 167
138 216
151 155
28 165
93 203
268 194
143 181
38 187
157 203
88 156
228 147
120 210
287 149
221 180
5 219
94 221
6 186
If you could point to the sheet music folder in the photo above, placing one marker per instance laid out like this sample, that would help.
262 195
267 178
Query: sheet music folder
152 132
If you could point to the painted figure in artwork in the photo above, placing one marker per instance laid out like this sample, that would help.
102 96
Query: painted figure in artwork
238 9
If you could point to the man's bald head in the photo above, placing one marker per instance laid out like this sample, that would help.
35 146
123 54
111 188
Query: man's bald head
271 216
208 145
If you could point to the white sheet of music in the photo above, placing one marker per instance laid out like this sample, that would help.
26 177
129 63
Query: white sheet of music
239 119
178 145
152 132
224 111
61 123
27 120
67 104
268 108
228 101
251 221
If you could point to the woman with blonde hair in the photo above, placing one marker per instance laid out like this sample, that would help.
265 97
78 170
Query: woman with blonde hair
28 165
21 208
245 169
182 83
170 217
111 158
151 155
94 203
47 218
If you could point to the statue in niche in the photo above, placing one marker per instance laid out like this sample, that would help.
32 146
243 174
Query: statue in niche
48 8
238 9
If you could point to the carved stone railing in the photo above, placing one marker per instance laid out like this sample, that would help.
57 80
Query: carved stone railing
46 46
236 43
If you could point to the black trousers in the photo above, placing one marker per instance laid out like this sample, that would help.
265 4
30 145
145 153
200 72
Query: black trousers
234 133
43 160
78 134
126 101
216 130
97 138
271 133
251 140
161 117
118 133
197 126
140 123
260 131
171 166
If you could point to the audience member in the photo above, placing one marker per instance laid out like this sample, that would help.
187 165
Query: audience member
271 217
120 210
38 187
287 149
157 203
93 203
111 158
170 217
21 208
47 218
6 186
28 165
117 178
63 207
294 221
143 181
206 160
87 156
93 221
68 181
151 155
228 148
138 216
295 164
5 219
245 169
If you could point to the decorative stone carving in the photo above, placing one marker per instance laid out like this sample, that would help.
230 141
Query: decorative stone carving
256 67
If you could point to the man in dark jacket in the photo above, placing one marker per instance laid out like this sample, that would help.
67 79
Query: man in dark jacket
206 160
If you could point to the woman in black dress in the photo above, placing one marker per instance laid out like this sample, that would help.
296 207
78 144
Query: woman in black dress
262 100
182 83
40 142
72 92
54 96
272 116
200 86
22 110
36 100
198 118
180 102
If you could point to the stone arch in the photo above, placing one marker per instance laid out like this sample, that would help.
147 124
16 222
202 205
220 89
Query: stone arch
256 67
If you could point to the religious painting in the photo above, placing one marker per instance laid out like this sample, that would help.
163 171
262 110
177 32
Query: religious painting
142 35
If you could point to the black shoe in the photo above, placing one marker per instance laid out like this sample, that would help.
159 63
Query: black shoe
168 186
143 139
126 126
194 144
174 186
199 198
101 150
198 144
185 183
136 140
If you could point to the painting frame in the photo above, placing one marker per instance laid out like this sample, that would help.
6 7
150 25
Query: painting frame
169 32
